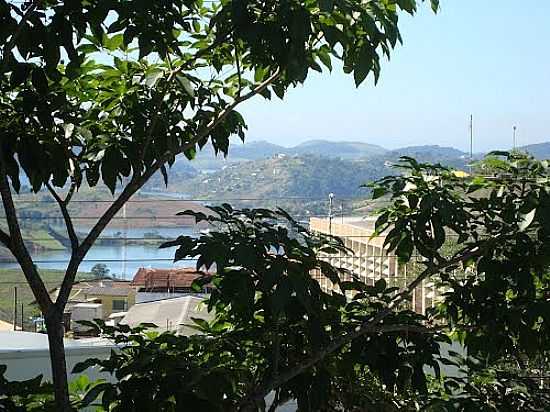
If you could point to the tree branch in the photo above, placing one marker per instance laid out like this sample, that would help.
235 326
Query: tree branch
70 193
258 89
17 245
66 217
137 183
17 33
5 239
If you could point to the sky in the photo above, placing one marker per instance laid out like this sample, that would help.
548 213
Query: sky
488 58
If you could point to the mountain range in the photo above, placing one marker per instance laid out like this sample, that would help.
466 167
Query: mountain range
207 161
313 169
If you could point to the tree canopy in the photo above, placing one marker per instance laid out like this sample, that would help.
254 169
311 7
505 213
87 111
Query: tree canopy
110 92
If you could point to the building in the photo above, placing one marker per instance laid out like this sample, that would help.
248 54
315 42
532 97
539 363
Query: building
157 284
174 315
26 355
112 296
6 326
370 260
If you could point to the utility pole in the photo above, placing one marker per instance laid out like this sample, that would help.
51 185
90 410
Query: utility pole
515 129
15 308
330 197
22 317
124 245
471 141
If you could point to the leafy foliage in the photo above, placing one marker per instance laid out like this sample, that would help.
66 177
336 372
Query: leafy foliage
497 304
111 91
35 395
277 334
272 328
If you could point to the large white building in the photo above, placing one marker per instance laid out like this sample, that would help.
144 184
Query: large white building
370 260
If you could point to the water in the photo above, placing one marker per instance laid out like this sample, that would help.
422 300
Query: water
122 260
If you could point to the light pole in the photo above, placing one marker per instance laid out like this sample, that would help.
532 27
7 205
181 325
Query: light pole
515 128
330 197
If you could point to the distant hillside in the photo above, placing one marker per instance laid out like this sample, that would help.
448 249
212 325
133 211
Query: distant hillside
429 151
347 150
255 150
308 176
261 150
448 156
540 150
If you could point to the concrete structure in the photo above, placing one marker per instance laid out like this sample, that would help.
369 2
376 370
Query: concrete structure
169 314
370 260
85 311
26 354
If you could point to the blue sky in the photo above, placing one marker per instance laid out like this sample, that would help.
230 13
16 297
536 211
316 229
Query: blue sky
486 57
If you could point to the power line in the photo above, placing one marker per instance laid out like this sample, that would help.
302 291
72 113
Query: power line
209 200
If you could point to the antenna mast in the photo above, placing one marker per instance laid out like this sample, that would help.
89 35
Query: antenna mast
471 141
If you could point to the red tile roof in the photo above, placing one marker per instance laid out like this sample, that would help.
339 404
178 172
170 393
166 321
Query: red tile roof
166 278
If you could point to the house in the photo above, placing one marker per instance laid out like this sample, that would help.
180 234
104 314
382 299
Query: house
157 284
113 296
174 315
6 326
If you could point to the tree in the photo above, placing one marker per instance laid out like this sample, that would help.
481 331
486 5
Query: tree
100 270
112 91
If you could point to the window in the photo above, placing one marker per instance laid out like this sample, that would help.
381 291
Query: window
119 305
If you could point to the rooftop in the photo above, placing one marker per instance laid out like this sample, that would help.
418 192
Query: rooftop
107 291
169 314
23 341
166 278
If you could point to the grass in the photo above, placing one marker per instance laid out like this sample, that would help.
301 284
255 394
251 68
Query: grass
10 278
43 239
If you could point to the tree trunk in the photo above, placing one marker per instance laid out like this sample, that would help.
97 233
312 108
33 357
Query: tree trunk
54 325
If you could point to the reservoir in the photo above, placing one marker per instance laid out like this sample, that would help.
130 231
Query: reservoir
127 250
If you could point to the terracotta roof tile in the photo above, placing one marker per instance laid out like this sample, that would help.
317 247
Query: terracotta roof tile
166 278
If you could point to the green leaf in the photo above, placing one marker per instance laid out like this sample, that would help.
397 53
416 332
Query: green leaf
363 64
380 285
39 81
184 81
153 77
19 74
114 42
526 220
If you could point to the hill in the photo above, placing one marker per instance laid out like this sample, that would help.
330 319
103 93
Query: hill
305 176
347 150
447 156
207 161
540 150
